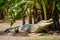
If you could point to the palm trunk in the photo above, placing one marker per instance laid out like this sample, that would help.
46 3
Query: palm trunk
56 20
1 15
24 18
44 9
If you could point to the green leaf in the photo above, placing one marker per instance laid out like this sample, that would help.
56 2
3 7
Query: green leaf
7 15
20 4
58 6
18 16
1 1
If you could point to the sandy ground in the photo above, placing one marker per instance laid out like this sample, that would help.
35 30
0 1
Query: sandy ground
10 36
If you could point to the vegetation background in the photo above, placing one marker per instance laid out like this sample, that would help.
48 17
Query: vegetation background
32 10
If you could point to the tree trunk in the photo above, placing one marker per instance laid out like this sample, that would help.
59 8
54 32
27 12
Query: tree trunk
24 18
1 15
56 20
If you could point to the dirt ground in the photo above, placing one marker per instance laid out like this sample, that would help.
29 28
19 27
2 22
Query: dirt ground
10 36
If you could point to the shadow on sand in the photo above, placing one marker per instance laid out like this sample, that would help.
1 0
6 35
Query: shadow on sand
2 33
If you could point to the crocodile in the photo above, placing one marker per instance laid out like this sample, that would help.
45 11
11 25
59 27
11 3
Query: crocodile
30 28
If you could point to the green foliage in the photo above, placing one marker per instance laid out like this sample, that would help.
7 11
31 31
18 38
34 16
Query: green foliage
58 5
1 1
18 7
18 16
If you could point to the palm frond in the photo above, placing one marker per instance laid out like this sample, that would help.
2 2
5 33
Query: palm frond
18 16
